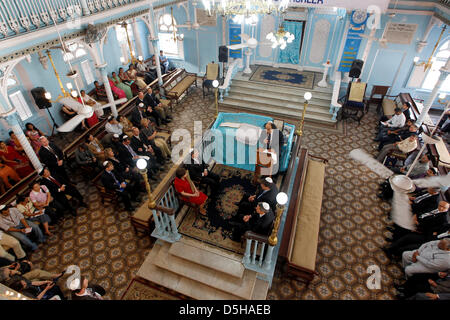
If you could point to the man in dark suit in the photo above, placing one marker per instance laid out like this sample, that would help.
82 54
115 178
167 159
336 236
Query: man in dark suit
112 180
267 193
140 146
52 157
59 188
152 100
425 200
260 222
433 220
198 171
128 156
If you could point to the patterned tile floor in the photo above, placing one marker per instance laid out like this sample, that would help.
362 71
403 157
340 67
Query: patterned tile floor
101 241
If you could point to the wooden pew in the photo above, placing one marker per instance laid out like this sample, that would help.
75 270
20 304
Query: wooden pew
178 84
301 231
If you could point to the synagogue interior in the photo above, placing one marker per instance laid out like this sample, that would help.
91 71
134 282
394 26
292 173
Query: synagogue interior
224 150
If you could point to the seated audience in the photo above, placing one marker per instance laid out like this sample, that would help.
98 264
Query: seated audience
398 120
13 222
267 192
119 84
146 73
431 257
84 157
259 220
113 181
391 136
432 220
8 175
151 100
198 171
39 290
142 110
141 146
113 126
132 74
153 139
420 168
426 287
9 242
116 91
33 134
15 160
164 62
96 148
126 171
127 125
128 156
189 193
87 292
26 207
424 200
407 145
52 157
42 200
59 189
15 143
100 92
128 81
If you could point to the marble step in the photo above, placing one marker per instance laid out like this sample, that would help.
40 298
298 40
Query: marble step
260 290
321 106
277 92
208 259
242 288
233 105
278 97
180 284
283 88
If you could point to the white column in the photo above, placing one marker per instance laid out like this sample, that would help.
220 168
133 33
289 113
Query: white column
11 118
445 70
153 41
85 7
102 69
137 38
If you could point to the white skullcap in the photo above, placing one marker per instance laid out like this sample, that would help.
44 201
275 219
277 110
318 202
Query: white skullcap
141 105
265 205
105 163
116 135
74 284
2 207
124 137
269 180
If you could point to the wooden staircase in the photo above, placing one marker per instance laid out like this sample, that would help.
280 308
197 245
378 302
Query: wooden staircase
201 272
280 102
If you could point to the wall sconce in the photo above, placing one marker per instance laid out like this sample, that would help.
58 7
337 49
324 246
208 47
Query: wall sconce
441 98
426 65
69 86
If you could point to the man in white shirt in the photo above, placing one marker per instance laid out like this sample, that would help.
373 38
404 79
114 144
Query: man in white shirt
113 126
406 146
12 221
8 242
398 120
431 257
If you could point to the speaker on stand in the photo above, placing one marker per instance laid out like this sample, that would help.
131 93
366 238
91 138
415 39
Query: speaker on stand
43 103
223 57
355 69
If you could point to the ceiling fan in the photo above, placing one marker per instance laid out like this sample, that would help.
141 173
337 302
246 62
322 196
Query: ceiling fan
83 111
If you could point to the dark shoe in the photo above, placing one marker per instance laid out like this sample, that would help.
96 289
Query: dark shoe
84 204
389 240
389 228
153 178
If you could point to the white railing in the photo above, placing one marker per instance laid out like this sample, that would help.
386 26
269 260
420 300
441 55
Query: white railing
335 105
233 68
165 224
22 16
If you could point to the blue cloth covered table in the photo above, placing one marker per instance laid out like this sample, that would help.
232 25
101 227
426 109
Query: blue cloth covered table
239 155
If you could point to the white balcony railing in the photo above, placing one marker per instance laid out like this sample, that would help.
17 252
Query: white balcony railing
22 16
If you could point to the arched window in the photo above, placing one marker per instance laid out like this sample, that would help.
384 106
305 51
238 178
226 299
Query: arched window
75 51
172 48
439 60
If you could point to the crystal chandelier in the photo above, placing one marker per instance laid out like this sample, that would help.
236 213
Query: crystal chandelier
281 38
244 8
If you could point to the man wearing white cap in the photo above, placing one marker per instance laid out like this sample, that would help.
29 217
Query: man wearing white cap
267 193
12 221
259 222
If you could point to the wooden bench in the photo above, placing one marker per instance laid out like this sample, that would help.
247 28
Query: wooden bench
301 231
178 84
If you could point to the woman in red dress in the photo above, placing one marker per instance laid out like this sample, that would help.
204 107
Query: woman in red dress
15 160
188 191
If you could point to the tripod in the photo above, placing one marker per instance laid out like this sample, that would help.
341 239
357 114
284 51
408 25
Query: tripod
53 120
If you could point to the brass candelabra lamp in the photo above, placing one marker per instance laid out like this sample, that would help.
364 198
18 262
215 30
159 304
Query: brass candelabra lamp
132 58
427 65
307 97
282 199
141 164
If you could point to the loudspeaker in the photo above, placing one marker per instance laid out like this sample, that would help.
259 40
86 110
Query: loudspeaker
223 54
39 97
355 69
